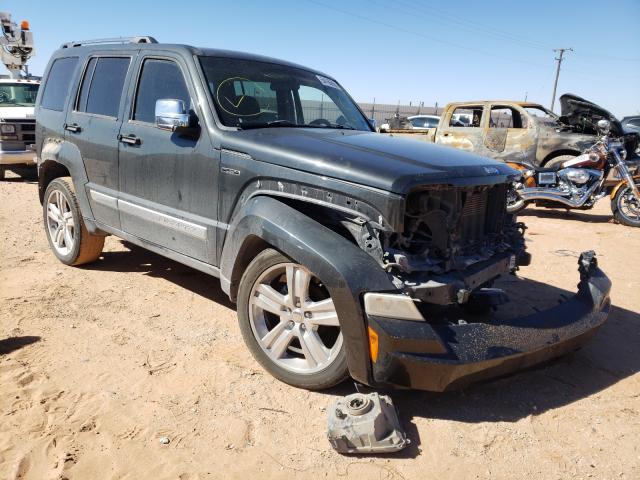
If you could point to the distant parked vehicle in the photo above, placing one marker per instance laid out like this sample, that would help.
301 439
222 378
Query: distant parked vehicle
424 122
521 131
17 123
631 123
416 122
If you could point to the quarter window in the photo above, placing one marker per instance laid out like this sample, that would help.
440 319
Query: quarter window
102 86
58 82
159 79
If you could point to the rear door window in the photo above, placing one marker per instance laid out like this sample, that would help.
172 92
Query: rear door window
159 79
102 86
58 83
505 117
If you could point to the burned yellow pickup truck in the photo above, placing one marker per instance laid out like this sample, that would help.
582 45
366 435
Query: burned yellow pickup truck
521 131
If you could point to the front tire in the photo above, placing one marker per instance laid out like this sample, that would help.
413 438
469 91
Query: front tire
625 207
515 204
68 236
289 323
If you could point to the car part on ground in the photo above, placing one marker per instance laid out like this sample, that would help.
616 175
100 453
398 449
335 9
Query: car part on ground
360 423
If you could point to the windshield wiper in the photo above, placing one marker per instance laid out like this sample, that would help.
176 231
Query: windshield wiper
290 124
338 126
274 123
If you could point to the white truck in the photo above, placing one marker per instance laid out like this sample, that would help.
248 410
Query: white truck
18 92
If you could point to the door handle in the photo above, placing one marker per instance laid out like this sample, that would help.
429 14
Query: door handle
73 127
445 134
129 139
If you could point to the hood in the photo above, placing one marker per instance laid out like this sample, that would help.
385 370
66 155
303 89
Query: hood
392 164
583 115
16 112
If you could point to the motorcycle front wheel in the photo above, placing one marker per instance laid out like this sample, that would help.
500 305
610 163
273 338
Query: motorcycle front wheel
515 204
625 207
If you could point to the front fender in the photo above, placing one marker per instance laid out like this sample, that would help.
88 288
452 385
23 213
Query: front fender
621 183
344 268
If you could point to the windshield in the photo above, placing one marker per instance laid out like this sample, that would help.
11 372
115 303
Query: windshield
18 94
253 94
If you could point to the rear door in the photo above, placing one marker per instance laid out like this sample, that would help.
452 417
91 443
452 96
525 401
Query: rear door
93 124
467 137
52 100
508 136
168 181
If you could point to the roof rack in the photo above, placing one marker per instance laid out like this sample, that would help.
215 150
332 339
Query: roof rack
142 39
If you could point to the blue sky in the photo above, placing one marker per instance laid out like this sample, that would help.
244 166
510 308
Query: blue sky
393 50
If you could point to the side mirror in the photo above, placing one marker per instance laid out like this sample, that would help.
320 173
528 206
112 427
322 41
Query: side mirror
604 126
171 114
373 123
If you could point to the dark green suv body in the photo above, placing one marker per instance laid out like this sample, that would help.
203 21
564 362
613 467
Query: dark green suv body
335 242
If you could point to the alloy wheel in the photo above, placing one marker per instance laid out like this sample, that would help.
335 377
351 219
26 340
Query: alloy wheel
294 320
60 223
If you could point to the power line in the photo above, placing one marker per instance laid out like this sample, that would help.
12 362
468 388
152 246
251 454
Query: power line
555 84
593 73
483 29
413 32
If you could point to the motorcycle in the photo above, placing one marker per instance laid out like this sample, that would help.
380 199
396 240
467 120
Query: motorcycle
578 183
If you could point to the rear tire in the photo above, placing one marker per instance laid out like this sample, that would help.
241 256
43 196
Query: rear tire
299 346
68 236
625 208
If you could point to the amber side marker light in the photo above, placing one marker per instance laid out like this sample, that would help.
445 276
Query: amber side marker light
373 344
24 25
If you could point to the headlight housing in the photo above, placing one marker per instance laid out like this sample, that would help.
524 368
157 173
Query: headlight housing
8 128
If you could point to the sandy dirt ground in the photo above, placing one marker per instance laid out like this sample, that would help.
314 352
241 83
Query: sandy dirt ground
98 363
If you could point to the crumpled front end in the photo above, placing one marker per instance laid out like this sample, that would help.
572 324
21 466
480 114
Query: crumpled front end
455 242
415 353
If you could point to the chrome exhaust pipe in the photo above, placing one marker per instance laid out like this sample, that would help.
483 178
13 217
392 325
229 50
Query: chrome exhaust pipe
531 196
536 193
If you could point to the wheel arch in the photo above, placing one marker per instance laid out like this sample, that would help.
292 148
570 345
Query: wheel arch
266 222
63 159
48 171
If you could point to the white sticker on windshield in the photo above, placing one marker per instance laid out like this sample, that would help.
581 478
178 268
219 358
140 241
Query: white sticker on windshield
327 82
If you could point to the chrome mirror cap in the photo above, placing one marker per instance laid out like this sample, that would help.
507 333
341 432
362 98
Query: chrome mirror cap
171 114
604 125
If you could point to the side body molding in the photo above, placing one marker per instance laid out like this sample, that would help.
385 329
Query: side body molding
346 270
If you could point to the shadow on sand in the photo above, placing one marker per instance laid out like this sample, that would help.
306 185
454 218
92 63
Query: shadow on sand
608 358
12 344
26 174
562 214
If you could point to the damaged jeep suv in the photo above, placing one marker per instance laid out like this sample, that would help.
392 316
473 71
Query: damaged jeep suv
340 246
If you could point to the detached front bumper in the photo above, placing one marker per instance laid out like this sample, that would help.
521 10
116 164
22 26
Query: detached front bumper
416 354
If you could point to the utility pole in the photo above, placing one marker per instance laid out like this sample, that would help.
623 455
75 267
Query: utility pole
555 84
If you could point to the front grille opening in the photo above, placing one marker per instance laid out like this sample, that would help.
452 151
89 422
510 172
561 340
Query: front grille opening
443 222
